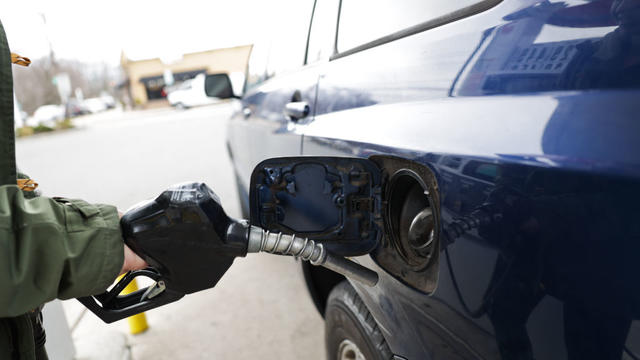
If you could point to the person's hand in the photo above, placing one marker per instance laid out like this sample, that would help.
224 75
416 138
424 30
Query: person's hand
132 261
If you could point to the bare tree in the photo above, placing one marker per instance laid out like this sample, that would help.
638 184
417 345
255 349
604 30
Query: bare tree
34 85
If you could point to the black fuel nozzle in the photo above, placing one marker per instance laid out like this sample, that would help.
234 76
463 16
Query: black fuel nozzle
189 243
185 234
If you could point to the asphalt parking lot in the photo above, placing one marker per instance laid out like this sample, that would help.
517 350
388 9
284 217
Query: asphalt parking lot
260 309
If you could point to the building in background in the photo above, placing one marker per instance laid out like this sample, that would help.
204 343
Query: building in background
145 79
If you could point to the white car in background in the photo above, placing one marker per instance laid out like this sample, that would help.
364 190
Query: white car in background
47 115
190 93
95 105
108 100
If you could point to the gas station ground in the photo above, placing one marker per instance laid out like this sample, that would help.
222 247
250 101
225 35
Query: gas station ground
248 315
259 310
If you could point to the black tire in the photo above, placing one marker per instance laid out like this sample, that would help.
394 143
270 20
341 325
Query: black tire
347 318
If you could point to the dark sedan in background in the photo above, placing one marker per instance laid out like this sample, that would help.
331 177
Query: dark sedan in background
507 138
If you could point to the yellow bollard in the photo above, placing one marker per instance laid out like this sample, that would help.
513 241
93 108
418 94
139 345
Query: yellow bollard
138 322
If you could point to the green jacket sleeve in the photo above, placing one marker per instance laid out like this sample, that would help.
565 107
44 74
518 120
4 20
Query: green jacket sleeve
54 248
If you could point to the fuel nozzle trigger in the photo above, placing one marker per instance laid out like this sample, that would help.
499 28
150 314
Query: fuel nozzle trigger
153 291
110 306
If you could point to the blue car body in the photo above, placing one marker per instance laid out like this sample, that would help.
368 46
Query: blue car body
524 111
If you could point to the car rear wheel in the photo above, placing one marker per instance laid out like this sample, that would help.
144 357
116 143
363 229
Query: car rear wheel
351 333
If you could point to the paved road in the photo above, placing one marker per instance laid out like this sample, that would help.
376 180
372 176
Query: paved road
260 309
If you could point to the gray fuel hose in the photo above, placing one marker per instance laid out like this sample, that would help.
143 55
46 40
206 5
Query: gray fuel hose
261 240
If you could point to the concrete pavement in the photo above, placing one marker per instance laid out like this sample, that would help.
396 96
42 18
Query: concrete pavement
260 309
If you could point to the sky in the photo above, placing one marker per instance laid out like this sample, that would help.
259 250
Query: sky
98 31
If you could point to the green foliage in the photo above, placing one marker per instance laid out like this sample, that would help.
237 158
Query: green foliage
64 124
30 130
24 131
41 129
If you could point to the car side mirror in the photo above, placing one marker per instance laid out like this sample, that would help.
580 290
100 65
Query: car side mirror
218 86
333 200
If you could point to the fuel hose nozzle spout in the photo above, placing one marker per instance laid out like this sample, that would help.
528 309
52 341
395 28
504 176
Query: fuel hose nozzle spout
260 240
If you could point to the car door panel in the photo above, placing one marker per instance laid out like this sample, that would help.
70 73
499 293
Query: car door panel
262 125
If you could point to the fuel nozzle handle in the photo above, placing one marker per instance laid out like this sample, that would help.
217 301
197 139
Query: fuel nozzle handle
260 240
190 242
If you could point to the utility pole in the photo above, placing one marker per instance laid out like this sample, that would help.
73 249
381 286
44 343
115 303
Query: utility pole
52 57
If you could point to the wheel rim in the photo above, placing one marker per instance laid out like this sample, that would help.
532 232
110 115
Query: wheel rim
349 351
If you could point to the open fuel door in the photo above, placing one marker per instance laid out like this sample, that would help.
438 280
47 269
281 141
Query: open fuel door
384 206
333 200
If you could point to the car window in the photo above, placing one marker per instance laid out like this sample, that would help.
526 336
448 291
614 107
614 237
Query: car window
257 66
282 47
322 36
363 21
